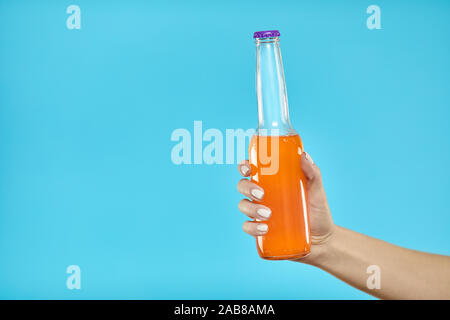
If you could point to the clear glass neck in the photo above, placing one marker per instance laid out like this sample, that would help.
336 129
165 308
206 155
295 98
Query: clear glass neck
273 110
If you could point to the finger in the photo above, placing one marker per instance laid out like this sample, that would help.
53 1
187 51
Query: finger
251 190
255 229
245 168
312 172
253 210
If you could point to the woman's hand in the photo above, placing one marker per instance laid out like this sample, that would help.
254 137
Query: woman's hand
407 274
321 223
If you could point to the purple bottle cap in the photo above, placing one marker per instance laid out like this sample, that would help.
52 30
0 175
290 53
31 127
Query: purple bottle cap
266 34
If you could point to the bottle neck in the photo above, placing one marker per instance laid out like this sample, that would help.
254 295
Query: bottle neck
273 110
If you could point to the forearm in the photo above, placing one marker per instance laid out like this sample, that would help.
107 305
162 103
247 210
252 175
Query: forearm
405 274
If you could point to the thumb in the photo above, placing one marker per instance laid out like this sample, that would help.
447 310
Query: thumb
312 173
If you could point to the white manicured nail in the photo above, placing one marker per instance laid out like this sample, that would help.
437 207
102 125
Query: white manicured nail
244 170
308 157
257 193
265 213
262 227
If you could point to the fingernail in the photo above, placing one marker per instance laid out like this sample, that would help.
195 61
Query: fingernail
262 227
308 157
265 213
257 193
244 170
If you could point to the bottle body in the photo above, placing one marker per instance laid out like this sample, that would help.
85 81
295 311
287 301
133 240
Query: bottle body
285 194
274 155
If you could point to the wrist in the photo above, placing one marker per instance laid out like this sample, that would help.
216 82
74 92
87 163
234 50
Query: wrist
322 248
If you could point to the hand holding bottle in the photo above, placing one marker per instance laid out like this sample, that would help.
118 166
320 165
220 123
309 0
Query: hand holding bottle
289 208
405 273
321 223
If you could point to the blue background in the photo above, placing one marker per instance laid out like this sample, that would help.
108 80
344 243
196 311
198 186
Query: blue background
86 117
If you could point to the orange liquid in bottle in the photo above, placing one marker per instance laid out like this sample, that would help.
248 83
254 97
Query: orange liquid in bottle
284 187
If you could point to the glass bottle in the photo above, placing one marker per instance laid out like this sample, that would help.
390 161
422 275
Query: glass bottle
274 155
